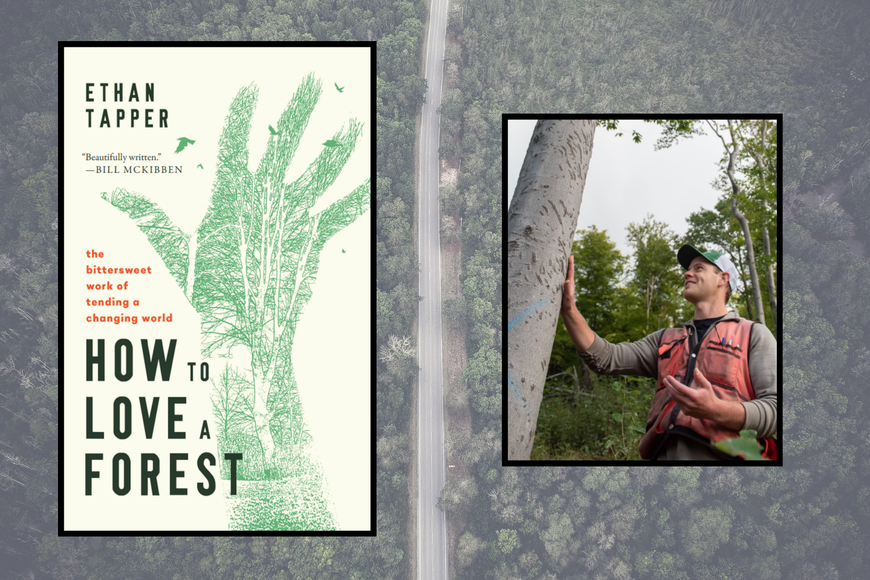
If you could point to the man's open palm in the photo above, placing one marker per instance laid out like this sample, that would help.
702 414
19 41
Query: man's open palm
568 288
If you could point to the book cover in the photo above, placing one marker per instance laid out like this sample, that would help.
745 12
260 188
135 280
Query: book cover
217 347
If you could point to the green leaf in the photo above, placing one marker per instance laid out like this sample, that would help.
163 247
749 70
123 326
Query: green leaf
617 386
746 446
617 417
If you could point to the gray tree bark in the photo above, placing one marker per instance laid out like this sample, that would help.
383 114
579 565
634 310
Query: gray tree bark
747 235
771 285
542 220
733 152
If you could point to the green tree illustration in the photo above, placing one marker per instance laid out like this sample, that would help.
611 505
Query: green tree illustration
249 266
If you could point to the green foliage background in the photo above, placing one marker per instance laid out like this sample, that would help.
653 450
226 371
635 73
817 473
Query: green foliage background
806 59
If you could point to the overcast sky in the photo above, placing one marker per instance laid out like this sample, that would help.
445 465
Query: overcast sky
627 180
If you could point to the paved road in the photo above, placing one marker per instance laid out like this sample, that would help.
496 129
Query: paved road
431 524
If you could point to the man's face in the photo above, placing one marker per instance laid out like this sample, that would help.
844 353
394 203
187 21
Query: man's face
701 280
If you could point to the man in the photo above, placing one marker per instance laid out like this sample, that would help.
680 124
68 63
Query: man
716 375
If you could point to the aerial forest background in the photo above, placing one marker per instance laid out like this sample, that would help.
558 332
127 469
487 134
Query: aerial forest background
807 60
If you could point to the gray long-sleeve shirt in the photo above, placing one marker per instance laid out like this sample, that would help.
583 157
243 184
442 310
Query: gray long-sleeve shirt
641 359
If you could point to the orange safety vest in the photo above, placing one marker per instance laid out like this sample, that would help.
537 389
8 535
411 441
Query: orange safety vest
723 358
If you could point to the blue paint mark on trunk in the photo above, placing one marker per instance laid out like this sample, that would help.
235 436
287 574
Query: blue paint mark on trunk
515 390
525 313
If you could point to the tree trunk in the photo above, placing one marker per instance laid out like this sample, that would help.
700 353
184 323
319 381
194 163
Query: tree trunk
771 285
587 377
732 152
747 236
541 224
749 307
262 418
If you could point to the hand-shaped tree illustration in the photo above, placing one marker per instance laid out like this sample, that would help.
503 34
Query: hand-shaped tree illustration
249 266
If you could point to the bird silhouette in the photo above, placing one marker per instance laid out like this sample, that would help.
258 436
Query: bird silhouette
340 89
183 142
332 143
273 131
200 166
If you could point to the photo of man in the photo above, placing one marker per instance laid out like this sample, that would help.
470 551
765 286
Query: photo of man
716 375
643 326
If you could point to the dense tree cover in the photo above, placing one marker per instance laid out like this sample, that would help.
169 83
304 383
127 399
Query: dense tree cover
684 522
807 519
833 222
28 298
29 546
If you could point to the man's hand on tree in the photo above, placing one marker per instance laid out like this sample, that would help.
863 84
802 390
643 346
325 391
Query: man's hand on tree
580 333
568 288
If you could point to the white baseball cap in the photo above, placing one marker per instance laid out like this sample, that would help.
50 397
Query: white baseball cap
688 253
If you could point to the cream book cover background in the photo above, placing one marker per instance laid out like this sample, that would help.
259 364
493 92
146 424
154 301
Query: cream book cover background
235 229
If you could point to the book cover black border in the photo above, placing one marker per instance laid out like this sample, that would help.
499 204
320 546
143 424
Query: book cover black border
373 419
779 344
